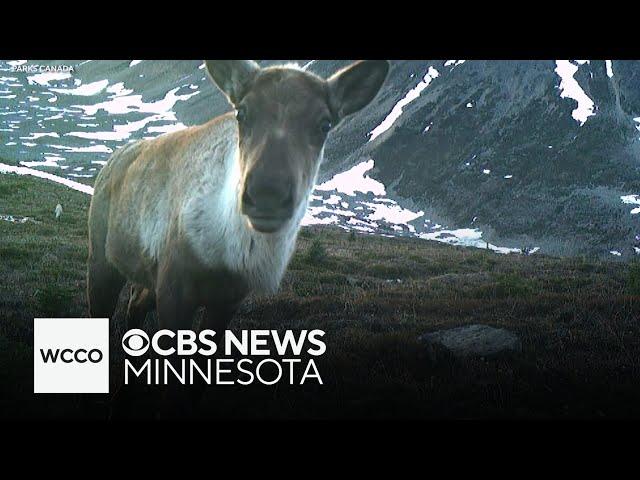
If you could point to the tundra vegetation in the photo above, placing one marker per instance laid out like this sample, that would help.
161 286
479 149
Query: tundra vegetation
374 296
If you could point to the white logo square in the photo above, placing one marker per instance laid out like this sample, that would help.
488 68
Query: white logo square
71 355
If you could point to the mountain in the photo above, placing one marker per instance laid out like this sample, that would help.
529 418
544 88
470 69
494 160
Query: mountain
522 154
503 148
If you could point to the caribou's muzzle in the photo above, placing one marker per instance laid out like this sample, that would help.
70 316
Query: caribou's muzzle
268 202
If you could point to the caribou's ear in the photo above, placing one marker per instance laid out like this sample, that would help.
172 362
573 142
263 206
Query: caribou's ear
232 76
355 86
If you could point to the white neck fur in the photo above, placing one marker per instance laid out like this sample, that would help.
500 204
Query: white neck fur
222 236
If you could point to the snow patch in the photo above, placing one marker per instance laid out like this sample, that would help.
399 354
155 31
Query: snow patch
570 88
354 180
47 176
395 113
87 90
609 65
632 200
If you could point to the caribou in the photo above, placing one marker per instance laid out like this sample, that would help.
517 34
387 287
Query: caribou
203 216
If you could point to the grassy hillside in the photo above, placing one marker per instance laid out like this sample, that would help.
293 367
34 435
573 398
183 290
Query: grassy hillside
577 320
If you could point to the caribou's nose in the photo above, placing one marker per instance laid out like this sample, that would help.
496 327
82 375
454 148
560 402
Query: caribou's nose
268 205
269 198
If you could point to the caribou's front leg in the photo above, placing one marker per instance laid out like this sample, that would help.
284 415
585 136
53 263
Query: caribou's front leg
176 304
217 317
176 296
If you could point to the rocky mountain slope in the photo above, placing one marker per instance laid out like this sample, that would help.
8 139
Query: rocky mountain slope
501 146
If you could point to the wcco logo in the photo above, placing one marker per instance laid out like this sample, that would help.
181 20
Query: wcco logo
71 355
67 355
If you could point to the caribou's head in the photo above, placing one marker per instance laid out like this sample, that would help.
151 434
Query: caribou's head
284 115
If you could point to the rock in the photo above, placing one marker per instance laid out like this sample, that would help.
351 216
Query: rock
472 340
17 219
58 211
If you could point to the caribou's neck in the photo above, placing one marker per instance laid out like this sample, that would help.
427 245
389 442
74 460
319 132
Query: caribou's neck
259 258
222 237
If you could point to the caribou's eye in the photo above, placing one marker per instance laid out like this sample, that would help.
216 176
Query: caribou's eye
325 126
241 113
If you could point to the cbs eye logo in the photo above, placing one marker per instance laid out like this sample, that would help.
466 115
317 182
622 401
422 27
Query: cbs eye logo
135 342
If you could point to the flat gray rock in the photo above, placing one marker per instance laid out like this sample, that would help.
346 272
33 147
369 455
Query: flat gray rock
473 340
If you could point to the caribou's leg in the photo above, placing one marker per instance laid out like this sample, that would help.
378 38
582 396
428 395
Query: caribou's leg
217 318
141 301
104 284
176 304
